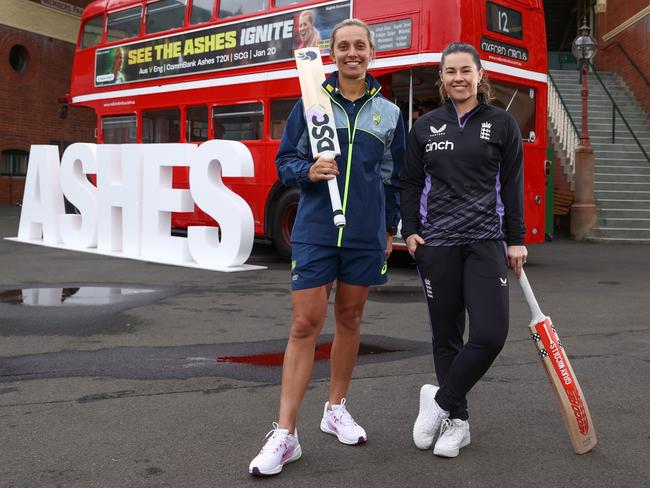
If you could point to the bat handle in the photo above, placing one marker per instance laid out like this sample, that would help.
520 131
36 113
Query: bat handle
335 196
536 312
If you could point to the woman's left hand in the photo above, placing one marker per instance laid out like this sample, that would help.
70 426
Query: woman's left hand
389 244
517 258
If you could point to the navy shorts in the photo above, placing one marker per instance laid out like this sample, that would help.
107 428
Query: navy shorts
313 265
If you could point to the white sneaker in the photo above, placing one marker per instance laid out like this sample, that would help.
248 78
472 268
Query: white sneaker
454 434
280 448
340 423
429 418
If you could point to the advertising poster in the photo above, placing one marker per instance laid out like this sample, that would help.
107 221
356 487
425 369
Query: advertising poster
252 42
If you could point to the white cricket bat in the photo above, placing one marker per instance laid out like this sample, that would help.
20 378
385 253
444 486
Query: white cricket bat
560 374
320 118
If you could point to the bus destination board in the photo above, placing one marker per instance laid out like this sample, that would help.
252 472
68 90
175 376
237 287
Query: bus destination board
504 20
246 43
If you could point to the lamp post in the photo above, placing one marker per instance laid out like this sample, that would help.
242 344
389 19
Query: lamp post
583 209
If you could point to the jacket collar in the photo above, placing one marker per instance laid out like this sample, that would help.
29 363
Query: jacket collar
332 82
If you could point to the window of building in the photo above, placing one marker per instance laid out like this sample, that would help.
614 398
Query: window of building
92 33
230 8
241 122
196 123
119 129
165 14
201 11
520 102
280 110
123 24
13 162
161 125
18 57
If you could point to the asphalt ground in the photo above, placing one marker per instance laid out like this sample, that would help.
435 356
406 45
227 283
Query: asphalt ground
157 389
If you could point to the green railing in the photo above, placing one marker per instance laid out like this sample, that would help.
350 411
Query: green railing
616 109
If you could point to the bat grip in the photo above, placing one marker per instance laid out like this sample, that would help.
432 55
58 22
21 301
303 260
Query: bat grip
335 196
535 311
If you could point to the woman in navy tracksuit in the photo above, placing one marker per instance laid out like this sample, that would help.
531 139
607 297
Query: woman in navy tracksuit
372 139
462 218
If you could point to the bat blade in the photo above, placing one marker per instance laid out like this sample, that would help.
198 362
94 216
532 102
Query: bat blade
565 386
564 383
320 118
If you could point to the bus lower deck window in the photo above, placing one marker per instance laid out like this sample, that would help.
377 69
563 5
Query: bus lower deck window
241 122
196 120
119 129
160 126
280 110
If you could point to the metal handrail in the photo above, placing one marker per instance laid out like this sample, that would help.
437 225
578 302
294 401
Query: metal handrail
565 130
616 109
634 65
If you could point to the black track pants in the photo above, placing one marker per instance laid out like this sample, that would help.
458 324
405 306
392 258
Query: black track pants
454 278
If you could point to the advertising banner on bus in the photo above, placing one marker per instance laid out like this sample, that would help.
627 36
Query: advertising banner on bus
252 42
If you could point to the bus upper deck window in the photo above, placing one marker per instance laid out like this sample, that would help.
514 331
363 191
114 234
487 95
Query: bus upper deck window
280 110
119 129
123 24
165 14
92 33
201 11
242 122
282 3
162 125
230 8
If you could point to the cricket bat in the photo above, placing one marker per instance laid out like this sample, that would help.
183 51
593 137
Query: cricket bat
320 118
560 374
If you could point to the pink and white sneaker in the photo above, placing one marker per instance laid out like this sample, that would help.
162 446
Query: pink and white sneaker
338 421
279 449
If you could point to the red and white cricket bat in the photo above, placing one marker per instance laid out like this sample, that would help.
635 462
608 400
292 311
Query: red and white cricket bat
560 374
320 118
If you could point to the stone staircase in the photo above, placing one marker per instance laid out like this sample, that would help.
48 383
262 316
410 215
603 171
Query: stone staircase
622 173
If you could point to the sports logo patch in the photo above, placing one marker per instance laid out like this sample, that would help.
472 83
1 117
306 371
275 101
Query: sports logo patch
376 118
485 131
438 132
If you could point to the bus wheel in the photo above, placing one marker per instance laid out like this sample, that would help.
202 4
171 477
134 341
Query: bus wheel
283 218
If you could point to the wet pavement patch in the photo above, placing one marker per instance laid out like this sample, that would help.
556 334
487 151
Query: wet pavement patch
74 310
200 360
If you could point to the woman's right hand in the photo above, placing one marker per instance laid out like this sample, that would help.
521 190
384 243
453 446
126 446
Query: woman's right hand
323 169
412 242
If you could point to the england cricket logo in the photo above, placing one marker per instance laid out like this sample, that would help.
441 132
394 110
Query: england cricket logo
485 131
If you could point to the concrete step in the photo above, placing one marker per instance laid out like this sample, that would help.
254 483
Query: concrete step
623 194
623 223
618 240
645 141
621 233
623 213
620 146
621 169
637 186
622 204
628 178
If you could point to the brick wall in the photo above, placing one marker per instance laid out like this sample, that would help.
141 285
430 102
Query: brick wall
634 40
29 111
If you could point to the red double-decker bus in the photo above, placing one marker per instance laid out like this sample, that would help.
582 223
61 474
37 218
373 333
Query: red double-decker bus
158 71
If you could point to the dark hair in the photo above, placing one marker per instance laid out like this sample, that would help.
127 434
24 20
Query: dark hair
349 22
484 87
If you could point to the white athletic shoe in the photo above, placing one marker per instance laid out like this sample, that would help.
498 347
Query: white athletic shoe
340 423
454 434
429 418
280 448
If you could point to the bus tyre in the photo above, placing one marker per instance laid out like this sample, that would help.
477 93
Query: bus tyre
283 218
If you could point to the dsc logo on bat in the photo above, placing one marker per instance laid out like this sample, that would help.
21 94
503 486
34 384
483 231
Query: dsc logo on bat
320 129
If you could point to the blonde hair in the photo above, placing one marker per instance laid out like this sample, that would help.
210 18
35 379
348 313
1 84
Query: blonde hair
354 22
484 88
